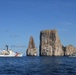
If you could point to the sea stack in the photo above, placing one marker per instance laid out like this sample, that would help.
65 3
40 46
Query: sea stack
70 49
50 44
32 50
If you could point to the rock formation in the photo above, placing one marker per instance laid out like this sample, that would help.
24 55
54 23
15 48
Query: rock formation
32 50
69 50
50 44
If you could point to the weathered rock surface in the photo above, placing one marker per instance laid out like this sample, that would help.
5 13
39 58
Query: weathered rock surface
32 50
50 44
69 50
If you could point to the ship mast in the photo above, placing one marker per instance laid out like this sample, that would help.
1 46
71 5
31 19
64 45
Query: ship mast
7 47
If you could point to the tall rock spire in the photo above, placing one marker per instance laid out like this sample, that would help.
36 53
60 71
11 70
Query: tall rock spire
32 50
31 43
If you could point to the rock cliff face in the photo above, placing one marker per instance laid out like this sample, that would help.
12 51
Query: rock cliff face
70 50
32 50
50 44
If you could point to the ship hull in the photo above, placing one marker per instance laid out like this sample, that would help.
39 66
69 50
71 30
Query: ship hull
11 55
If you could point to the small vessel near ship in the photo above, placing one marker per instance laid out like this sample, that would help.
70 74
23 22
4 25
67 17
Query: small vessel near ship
73 55
9 53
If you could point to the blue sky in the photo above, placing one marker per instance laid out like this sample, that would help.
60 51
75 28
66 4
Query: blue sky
19 19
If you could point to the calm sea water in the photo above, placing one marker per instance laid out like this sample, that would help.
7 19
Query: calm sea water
38 66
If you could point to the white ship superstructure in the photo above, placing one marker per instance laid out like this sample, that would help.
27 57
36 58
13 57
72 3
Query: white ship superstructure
9 53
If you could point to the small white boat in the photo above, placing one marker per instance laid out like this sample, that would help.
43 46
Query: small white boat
73 55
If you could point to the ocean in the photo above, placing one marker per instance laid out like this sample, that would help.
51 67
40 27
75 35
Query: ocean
38 65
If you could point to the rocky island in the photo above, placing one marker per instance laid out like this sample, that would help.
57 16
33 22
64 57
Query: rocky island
50 45
32 50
